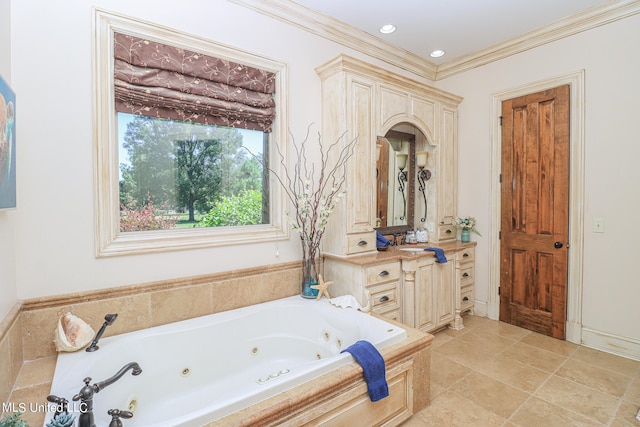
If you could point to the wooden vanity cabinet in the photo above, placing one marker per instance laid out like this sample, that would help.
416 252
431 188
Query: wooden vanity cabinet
362 101
431 287
380 280
465 284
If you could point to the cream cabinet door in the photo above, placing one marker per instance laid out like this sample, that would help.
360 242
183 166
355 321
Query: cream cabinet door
424 296
445 300
448 182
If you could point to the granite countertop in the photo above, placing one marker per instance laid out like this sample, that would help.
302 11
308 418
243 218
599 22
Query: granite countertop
395 253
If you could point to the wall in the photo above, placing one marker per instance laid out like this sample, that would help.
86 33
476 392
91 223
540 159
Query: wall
7 217
55 251
610 58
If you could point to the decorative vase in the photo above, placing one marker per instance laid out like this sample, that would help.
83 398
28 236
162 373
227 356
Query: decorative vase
465 236
309 278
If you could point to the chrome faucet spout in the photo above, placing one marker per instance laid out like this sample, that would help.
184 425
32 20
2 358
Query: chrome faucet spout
133 366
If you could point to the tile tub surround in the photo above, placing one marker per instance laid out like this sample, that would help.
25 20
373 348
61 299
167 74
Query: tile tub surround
27 331
10 351
37 366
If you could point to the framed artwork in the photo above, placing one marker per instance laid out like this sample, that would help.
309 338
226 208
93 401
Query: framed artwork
7 146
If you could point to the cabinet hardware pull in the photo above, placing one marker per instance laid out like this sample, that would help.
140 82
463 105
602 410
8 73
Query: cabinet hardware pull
465 275
464 255
384 299
362 242
465 299
383 273
448 231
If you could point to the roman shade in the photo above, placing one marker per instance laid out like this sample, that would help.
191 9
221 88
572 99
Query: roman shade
162 81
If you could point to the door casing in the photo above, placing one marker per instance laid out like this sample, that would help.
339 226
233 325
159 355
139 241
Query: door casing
576 198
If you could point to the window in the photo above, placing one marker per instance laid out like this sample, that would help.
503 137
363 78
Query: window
165 182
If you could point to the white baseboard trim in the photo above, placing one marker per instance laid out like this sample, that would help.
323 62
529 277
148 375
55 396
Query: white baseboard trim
493 310
480 308
621 346
573 332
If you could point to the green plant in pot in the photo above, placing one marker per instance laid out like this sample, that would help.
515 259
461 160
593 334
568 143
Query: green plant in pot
466 226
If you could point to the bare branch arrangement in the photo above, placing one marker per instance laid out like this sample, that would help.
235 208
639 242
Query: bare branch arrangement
313 192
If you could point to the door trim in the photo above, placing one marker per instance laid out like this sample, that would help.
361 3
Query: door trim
576 197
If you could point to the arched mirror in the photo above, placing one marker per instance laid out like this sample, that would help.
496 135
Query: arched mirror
395 180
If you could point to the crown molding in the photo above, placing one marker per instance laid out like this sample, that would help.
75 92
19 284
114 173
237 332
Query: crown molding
338 32
589 19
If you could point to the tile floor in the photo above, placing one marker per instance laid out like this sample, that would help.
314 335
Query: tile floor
495 374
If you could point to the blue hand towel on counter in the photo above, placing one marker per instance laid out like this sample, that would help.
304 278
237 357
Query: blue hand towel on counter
373 368
381 241
439 254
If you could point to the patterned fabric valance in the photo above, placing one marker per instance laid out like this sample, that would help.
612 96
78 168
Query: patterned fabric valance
157 80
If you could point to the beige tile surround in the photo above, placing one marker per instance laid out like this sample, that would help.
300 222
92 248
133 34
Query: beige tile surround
27 352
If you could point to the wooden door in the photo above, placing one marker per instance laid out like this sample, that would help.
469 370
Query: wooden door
534 210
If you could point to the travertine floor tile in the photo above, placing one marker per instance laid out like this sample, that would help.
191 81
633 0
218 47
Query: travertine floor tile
463 353
514 373
633 391
445 372
592 376
626 416
535 413
608 361
534 356
450 409
491 394
564 348
568 394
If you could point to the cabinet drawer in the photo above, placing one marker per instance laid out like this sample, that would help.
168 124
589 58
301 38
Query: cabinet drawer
361 242
385 297
468 254
466 298
466 274
383 273
393 314
446 232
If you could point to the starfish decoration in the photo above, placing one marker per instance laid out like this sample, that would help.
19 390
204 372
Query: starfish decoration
322 288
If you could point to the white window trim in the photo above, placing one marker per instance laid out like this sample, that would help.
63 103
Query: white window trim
109 240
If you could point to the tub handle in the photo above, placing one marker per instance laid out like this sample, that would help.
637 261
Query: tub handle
116 414
383 273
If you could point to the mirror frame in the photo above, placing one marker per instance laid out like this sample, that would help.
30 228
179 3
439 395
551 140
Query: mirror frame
411 184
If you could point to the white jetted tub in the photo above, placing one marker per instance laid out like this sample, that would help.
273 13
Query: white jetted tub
199 370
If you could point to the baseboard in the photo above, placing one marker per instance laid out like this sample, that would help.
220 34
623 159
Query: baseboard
480 308
493 310
573 332
621 346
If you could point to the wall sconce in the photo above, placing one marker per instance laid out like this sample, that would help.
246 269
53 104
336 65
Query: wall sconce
401 162
424 175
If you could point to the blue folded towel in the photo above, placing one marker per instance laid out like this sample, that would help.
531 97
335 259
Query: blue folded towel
373 368
439 254
381 241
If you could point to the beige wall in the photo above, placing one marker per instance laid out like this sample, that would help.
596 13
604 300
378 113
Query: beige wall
55 248
8 289
610 59
54 225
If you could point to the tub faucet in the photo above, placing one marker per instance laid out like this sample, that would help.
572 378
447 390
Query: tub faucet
85 396
108 320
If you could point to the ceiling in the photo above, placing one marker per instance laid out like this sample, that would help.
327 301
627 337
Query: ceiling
459 27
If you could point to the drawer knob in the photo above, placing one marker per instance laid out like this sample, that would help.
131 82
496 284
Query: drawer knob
465 299
384 299
383 273
362 243
464 255
465 275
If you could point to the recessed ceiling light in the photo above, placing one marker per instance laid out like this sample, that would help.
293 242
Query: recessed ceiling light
387 29
437 53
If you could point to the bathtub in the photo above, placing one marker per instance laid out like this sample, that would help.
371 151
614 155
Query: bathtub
199 370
